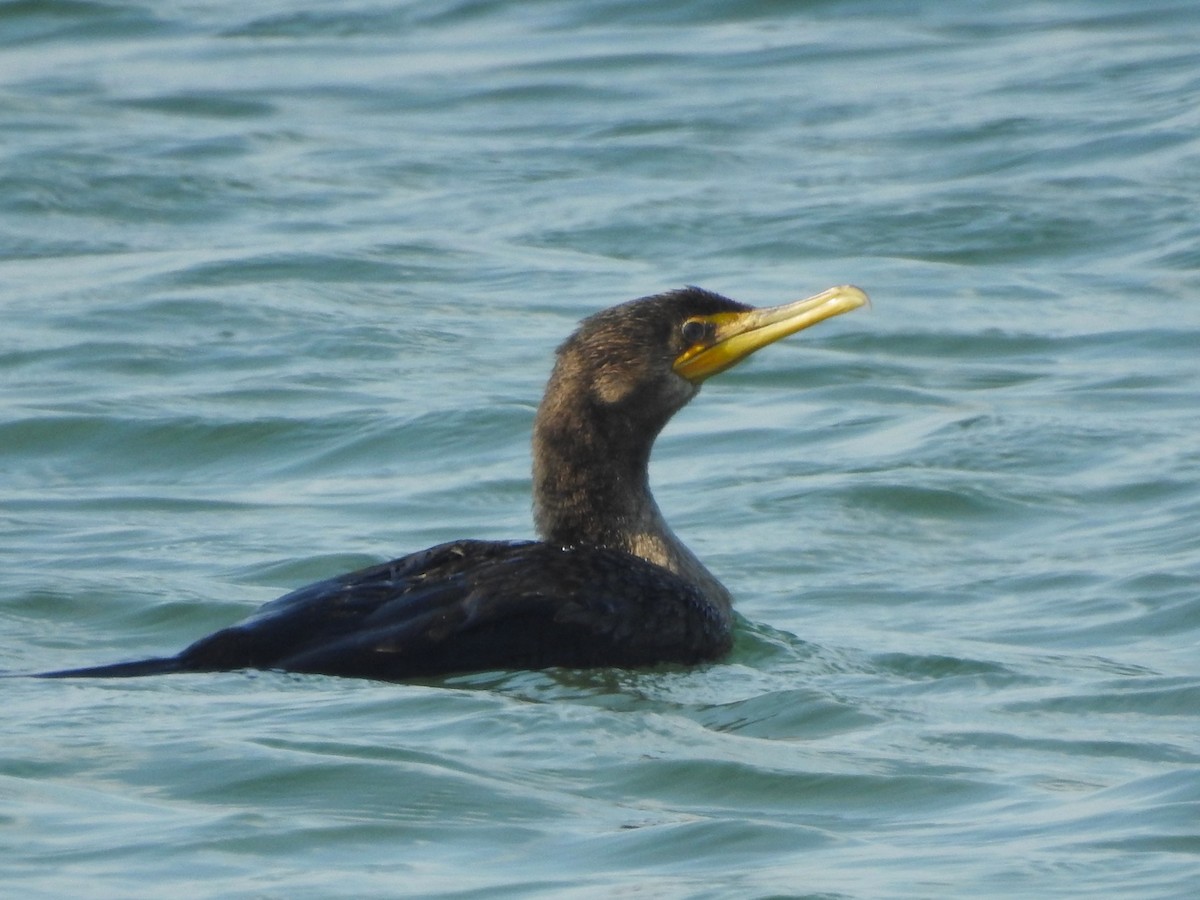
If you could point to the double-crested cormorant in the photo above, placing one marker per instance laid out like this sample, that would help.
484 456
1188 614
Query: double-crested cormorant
608 584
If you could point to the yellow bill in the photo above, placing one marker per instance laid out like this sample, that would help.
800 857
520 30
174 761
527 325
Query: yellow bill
732 336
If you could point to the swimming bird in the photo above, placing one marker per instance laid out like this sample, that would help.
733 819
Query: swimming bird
607 584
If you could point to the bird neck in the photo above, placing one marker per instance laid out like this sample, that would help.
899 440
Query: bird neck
591 487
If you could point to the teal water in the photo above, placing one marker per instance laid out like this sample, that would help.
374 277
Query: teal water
280 283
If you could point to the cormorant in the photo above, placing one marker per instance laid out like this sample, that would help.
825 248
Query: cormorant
608 584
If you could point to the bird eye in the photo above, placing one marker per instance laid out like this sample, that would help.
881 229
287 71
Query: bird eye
694 331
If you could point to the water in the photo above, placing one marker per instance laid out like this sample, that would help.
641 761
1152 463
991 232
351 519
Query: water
280 285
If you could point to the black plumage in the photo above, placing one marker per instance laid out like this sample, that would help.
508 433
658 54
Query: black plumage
609 584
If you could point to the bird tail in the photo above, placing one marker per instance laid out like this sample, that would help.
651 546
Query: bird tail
159 665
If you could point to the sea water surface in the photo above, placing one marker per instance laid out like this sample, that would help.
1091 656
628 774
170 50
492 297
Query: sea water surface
280 283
